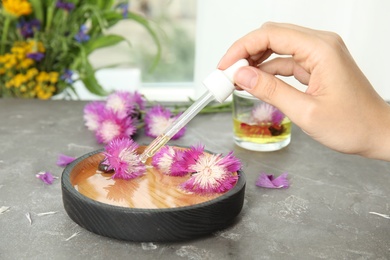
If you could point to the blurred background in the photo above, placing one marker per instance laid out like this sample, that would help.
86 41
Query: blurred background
196 33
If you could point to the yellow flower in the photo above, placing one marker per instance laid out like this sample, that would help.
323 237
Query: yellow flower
18 80
17 7
44 90
31 73
53 77
42 77
8 84
2 71
26 63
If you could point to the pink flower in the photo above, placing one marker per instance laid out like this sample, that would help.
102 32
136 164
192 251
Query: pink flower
112 126
157 119
138 100
211 174
191 156
63 160
119 102
46 177
268 181
92 114
122 157
265 113
169 161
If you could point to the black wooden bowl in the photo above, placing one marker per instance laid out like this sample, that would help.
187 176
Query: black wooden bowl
147 224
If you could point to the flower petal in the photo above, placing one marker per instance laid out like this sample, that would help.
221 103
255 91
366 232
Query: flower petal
169 161
63 160
268 181
92 114
211 173
46 177
112 126
122 157
157 119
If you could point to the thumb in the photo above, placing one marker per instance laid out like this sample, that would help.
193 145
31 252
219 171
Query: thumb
272 90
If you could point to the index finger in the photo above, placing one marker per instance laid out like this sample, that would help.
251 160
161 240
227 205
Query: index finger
257 46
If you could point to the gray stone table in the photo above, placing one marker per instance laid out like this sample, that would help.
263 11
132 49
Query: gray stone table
329 211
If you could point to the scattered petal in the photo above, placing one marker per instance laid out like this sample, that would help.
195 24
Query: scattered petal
46 177
380 214
47 213
268 181
63 160
28 216
122 157
72 236
4 209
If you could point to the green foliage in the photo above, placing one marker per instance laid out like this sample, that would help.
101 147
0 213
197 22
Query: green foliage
58 32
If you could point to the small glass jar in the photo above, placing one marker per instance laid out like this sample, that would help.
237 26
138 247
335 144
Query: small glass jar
257 125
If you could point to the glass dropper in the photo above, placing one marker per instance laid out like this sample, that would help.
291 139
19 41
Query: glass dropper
220 84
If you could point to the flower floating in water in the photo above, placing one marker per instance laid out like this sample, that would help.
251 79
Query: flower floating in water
63 160
121 156
169 161
265 113
157 119
46 177
211 173
265 120
268 181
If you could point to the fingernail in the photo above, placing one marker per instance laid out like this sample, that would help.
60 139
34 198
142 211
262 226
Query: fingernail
246 78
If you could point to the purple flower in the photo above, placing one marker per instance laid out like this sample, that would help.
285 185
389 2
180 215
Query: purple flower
92 114
191 156
46 177
122 157
82 35
157 119
112 126
265 113
169 161
268 181
120 103
37 56
27 29
65 5
277 117
67 76
138 100
126 103
63 160
211 174
124 7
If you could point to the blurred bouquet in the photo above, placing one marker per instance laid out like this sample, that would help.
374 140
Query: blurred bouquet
45 44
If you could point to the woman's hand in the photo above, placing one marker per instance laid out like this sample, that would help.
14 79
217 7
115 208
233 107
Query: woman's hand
339 108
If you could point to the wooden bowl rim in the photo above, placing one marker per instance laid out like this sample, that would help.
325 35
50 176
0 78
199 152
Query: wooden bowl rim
66 184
